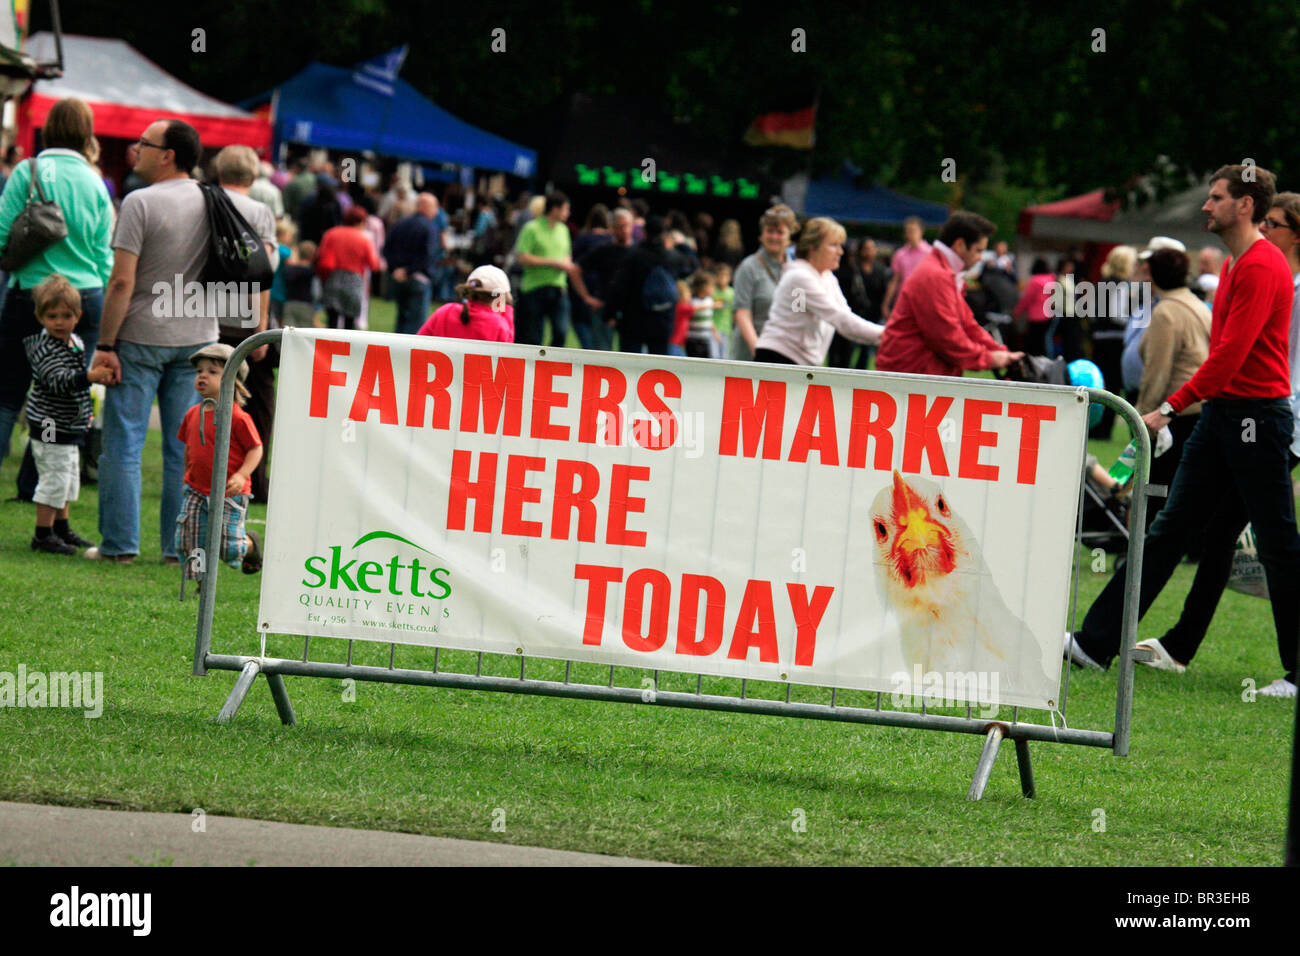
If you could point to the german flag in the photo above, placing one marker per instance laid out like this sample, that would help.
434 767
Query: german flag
794 130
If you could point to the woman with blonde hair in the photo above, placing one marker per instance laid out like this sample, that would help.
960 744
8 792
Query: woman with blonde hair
808 305
84 256
1108 330
729 249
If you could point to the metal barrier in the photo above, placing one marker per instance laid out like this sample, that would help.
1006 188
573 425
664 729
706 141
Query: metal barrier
993 731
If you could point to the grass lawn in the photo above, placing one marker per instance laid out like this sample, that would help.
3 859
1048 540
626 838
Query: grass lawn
1205 783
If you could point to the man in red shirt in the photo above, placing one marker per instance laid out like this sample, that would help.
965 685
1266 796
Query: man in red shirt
1243 435
932 330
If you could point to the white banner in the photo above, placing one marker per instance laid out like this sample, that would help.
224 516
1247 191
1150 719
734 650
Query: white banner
904 534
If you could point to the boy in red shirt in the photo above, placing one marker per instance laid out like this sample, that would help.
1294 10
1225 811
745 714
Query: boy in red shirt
239 548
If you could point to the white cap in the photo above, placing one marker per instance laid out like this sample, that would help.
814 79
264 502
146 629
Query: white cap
1161 242
489 279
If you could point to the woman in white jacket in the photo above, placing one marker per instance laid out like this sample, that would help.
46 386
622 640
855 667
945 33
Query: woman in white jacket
808 305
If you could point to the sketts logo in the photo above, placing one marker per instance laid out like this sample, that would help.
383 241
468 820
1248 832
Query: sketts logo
395 576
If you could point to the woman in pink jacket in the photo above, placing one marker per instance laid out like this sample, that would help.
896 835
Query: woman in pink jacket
1033 306
484 312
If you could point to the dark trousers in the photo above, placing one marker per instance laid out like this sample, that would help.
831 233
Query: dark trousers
776 358
261 409
1235 458
1212 573
631 339
1070 330
1036 338
1106 355
840 354
411 299
1164 468
549 302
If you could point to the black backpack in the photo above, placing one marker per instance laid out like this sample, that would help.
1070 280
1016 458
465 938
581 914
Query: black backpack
236 252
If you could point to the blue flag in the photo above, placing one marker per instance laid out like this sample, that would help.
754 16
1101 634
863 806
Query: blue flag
380 73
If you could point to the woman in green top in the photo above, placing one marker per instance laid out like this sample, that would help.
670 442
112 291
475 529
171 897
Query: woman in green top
84 257
757 276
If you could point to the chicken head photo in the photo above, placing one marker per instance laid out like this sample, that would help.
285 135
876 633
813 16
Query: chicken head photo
932 575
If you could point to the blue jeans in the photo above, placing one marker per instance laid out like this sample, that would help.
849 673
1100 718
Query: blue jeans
412 300
1234 467
535 308
147 370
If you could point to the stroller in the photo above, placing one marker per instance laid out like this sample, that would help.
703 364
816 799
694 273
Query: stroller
1105 513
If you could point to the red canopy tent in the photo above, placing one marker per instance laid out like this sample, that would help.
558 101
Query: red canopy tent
127 92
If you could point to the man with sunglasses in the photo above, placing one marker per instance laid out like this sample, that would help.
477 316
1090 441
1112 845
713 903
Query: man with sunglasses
1244 434
161 239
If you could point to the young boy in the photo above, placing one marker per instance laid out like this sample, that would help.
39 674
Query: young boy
58 412
239 548
299 299
724 298
285 233
703 339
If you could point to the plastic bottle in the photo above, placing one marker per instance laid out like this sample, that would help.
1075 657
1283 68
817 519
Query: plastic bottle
1122 470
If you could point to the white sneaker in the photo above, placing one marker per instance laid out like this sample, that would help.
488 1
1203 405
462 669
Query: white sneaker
1279 688
1075 655
1161 661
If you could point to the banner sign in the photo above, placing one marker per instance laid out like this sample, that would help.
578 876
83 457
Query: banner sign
905 534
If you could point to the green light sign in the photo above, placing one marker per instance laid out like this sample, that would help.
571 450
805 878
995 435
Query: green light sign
692 184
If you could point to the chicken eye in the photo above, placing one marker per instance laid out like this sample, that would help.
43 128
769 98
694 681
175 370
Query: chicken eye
881 531
941 505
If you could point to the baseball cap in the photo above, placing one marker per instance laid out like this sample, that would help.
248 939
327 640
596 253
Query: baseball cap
1158 243
489 279
221 353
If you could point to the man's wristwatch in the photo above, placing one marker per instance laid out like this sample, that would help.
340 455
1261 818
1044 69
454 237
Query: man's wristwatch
101 347
1166 410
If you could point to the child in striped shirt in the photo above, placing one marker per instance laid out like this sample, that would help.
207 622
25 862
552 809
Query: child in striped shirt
58 412
703 340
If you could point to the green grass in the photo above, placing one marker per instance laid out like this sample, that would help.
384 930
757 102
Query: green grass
1205 783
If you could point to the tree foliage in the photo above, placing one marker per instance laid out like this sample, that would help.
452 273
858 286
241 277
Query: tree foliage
1019 95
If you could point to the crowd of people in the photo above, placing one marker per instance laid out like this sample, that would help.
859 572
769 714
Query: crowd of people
87 311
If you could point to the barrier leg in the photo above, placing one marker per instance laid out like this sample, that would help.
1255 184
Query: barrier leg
238 693
985 766
1026 768
281 697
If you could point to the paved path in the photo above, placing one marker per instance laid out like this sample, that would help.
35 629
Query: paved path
32 834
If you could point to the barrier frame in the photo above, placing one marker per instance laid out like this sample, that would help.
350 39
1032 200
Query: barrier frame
993 731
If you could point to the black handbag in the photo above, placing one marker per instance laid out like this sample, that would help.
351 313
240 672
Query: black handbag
235 252
39 226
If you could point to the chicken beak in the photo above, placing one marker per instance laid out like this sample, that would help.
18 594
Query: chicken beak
919 532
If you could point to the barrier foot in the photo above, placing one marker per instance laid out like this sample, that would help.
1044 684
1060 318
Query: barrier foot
1026 768
238 693
281 697
985 766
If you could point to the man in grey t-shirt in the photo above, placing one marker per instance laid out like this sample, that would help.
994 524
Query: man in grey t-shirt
155 317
